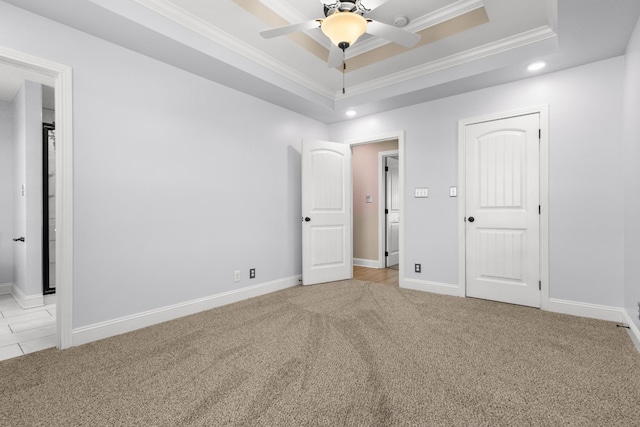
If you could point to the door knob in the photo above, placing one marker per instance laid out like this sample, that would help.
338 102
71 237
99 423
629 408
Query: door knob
307 219
471 219
19 239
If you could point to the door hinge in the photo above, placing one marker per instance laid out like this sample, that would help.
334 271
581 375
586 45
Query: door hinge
539 285
386 254
386 211
386 168
539 133
539 210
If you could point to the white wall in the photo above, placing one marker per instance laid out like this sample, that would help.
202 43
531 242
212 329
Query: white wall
178 181
27 205
586 195
6 192
632 177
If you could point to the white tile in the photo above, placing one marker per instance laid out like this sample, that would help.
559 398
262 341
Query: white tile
32 324
8 303
6 297
31 334
38 344
4 330
24 317
10 351
20 311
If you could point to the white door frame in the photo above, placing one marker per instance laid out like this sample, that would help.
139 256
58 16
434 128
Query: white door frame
399 135
382 195
543 110
62 76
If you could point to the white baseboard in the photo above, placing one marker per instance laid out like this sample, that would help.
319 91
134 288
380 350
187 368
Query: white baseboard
634 332
50 299
27 301
371 263
6 288
125 324
425 286
582 309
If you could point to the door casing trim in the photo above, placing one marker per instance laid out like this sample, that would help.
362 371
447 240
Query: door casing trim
63 78
543 111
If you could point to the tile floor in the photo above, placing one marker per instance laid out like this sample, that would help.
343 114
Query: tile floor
25 331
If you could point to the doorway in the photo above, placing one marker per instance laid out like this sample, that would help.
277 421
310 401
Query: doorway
327 188
381 229
59 76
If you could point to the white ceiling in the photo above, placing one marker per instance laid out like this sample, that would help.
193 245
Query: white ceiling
466 45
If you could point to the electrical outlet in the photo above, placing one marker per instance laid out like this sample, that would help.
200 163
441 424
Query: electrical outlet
418 268
252 273
236 276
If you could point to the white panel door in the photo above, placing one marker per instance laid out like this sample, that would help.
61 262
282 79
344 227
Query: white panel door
502 209
393 211
327 253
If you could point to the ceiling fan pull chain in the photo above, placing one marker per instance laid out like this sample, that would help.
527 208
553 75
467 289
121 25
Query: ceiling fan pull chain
344 68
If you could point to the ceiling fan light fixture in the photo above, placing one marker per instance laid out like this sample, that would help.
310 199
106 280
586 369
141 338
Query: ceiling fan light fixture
344 28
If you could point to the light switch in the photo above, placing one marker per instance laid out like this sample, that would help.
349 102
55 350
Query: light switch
453 191
421 192
368 199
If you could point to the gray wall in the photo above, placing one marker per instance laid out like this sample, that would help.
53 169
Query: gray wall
632 177
6 192
178 181
586 194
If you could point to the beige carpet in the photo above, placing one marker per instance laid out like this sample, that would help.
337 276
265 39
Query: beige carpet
345 353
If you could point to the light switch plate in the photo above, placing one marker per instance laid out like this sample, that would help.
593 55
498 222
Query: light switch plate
453 191
421 192
368 199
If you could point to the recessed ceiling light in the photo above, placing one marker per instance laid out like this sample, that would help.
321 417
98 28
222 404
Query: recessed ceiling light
351 113
538 65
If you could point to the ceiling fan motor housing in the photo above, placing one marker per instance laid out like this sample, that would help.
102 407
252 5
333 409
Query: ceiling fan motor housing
342 6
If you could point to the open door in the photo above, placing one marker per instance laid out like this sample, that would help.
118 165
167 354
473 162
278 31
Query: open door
392 212
327 252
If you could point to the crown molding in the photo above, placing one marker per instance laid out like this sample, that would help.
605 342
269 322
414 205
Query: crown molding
500 46
439 16
169 10
200 26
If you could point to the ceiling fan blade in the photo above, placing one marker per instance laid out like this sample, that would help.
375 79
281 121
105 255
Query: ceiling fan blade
335 56
372 4
288 29
393 34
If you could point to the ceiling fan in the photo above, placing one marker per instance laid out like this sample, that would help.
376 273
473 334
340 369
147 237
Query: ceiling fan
344 23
